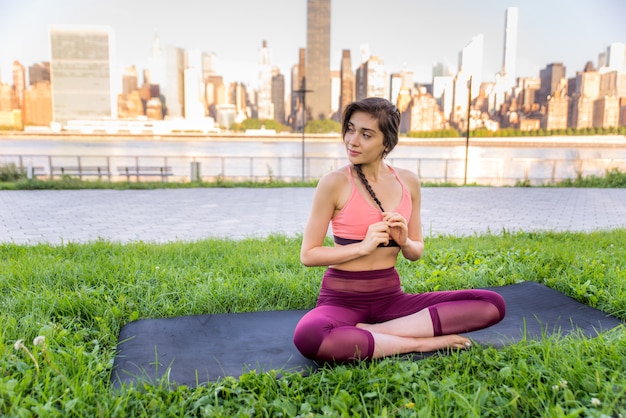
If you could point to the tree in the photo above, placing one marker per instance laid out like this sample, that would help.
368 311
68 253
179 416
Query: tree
322 126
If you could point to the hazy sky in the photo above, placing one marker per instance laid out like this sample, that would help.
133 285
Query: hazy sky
411 33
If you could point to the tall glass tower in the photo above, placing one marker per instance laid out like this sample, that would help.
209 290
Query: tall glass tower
510 47
80 72
317 79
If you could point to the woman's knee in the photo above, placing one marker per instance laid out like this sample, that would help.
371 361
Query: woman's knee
308 337
498 301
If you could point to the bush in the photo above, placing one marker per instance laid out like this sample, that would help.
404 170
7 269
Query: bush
10 172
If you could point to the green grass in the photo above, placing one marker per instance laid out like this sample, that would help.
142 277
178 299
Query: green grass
79 296
74 183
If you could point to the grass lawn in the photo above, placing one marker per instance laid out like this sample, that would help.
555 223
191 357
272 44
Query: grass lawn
78 296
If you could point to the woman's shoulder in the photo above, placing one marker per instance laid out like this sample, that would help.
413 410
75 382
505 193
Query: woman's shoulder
336 178
335 186
408 177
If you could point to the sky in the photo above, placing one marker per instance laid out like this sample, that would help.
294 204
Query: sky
411 34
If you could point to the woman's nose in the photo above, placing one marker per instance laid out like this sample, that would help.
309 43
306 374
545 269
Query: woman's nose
353 140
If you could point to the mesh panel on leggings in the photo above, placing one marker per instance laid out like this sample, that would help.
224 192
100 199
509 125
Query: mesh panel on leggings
465 315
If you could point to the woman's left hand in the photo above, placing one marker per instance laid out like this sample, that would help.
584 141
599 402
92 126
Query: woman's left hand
398 228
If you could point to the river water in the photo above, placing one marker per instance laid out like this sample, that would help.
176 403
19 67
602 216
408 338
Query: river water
493 162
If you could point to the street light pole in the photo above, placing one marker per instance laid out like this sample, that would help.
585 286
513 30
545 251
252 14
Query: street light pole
303 93
467 134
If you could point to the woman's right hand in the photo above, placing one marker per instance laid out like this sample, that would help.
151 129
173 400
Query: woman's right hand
377 233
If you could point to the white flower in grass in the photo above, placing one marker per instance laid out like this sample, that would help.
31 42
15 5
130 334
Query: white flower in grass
18 344
555 388
39 340
563 384
595 402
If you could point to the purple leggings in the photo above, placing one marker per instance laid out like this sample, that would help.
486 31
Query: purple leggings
333 320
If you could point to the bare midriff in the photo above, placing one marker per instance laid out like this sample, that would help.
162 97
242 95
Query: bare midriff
382 258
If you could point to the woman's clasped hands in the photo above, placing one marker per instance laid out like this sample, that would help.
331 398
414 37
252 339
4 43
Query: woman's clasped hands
392 227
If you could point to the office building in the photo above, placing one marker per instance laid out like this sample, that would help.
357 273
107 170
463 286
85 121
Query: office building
423 113
467 79
80 70
335 93
616 57
606 112
510 48
318 59
399 82
278 95
471 63
264 94
38 72
556 113
215 93
346 94
238 96
298 80
172 88
208 65
443 87
527 88
552 83
371 79
586 92
193 87
19 85
157 63
130 82
38 104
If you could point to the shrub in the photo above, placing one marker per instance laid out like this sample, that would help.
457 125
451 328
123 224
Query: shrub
10 172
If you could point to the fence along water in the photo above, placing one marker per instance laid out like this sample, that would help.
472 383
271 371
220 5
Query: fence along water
495 162
484 171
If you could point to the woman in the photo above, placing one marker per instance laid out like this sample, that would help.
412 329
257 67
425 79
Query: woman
362 312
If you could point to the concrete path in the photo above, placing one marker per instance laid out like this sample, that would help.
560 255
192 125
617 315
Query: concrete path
51 216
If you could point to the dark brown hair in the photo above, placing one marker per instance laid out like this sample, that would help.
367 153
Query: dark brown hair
387 115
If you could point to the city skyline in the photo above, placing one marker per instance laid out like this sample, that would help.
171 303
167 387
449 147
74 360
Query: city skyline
411 34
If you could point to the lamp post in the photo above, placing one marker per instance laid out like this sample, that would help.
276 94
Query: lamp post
302 92
467 134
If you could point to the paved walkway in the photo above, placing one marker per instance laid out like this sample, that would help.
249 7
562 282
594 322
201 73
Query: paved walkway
50 216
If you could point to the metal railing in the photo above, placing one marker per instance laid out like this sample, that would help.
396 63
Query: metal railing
484 171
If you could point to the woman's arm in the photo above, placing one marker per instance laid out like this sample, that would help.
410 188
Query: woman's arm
408 232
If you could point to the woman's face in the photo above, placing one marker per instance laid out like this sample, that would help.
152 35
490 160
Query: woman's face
363 139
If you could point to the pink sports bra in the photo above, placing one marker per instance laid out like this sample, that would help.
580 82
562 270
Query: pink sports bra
351 223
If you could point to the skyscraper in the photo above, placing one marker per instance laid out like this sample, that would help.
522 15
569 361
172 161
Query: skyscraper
19 85
173 87
471 63
278 95
298 74
552 82
470 68
317 78
347 81
80 70
616 57
157 68
510 47
264 100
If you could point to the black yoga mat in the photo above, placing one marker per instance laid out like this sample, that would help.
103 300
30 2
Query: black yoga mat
193 350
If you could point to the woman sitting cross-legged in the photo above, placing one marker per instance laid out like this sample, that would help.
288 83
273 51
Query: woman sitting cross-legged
374 210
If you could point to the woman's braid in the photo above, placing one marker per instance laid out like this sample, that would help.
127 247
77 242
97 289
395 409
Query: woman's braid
359 171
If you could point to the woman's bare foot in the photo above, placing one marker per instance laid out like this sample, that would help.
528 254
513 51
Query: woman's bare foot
443 341
417 344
